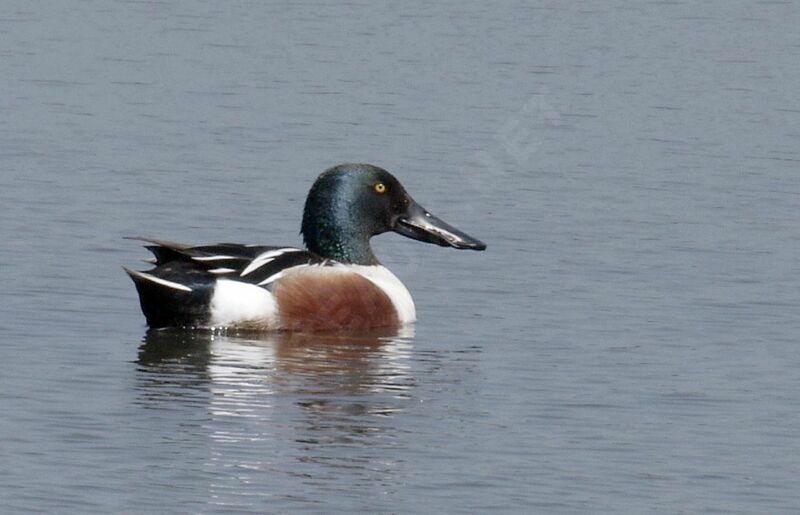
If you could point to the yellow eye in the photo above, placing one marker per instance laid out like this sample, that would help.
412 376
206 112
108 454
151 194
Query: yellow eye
380 188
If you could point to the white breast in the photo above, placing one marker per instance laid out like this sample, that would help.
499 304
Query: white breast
397 292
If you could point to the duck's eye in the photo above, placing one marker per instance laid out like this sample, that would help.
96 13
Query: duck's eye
380 188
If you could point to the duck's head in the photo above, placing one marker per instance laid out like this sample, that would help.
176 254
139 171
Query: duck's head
350 203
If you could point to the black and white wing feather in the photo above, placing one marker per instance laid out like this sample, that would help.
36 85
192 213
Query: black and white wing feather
254 264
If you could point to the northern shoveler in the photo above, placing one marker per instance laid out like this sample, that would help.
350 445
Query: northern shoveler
337 283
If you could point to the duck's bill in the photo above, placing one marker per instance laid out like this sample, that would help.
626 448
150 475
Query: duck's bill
420 225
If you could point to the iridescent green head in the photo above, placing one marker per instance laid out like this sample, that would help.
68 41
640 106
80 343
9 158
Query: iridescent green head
350 203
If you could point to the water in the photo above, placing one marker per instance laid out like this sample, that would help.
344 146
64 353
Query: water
627 344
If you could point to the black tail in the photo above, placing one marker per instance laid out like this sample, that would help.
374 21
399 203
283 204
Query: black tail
166 303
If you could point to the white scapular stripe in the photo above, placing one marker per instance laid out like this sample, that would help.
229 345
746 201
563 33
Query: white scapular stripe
162 282
221 271
212 258
235 302
266 257
272 278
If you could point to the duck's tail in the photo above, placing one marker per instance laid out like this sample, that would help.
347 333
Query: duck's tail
169 301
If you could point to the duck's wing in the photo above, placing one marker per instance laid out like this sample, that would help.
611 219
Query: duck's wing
254 264
185 284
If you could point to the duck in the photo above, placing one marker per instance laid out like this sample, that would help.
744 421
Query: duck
335 283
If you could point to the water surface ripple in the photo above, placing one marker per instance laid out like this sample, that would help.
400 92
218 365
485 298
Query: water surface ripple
627 344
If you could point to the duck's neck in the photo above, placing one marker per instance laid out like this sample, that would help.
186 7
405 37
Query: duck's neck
330 231
342 247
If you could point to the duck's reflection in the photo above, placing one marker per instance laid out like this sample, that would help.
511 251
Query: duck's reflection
282 402
291 362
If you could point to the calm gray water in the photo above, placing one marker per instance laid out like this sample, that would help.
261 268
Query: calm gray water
627 344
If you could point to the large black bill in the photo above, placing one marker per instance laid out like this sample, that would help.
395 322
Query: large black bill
423 226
